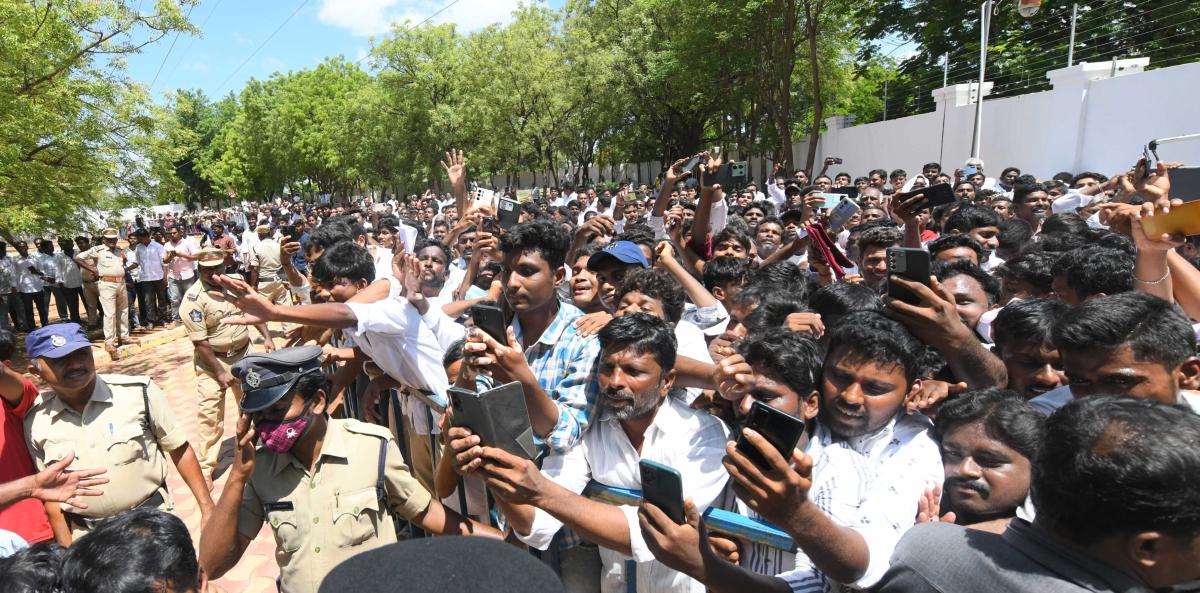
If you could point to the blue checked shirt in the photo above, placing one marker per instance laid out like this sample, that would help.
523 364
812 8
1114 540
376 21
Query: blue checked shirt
565 366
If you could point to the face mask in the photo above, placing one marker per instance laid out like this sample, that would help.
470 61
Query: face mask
1093 221
280 437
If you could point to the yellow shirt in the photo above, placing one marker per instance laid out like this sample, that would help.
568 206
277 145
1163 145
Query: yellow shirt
202 315
323 517
109 434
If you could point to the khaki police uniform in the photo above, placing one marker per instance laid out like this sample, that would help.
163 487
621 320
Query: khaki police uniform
202 315
325 516
126 427
110 267
266 255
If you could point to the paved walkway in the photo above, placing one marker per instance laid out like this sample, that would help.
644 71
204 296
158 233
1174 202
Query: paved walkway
166 356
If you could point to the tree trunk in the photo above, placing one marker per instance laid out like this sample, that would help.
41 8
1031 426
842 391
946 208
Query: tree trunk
818 105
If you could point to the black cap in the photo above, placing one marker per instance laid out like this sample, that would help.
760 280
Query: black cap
790 214
268 377
443 565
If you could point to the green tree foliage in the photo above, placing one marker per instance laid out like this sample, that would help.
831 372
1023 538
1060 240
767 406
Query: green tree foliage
73 129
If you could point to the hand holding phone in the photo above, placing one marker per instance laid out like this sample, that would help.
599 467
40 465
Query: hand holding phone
662 486
779 428
490 320
910 264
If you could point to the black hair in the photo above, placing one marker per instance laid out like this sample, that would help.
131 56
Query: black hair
329 234
454 352
427 243
32 570
969 217
347 260
8 344
1006 171
389 222
545 237
874 234
1118 465
722 271
897 173
880 172
786 355
138 551
767 208
944 270
308 384
1022 191
1110 240
639 234
441 222
784 276
1014 234
1088 174
771 219
833 301
1064 223
731 233
644 333
771 305
1029 321
656 284
1090 271
869 336
1033 266
1005 416
933 165
1154 329
948 242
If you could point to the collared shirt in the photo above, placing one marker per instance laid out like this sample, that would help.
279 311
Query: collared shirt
109 434
906 460
202 315
324 516
939 557
107 262
47 264
27 282
181 267
841 482
150 261
690 441
394 335
564 364
266 255
25 517
8 277
67 271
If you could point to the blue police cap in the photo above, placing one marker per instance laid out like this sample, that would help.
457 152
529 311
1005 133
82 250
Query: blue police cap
55 341
267 377
626 252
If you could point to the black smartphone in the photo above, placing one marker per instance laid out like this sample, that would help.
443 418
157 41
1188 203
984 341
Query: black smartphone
662 486
488 225
781 429
935 195
690 165
723 176
289 232
490 319
459 398
509 212
910 264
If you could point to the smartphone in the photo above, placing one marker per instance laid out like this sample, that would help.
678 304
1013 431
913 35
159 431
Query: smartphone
910 264
720 176
837 160
935 195
509 212
490 320
690 165
737 172
662 486
841 213
489 224
969 170
289 232
1181 220
831 200
781 429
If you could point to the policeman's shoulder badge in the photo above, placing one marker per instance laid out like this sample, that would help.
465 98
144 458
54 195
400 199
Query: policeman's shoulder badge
196 316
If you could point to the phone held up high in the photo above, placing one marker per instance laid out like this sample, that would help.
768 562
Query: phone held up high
780 429
910 264
662 486
490 320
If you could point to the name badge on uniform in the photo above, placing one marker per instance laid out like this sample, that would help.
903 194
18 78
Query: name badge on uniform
279 506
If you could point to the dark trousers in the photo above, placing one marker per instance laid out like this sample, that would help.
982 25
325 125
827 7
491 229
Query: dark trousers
148 301
28 301
66 300
131 294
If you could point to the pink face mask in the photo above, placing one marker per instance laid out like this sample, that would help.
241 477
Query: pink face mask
280 437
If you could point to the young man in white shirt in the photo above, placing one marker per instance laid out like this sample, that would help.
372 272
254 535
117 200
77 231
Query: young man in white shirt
639 421
70 281
150 257
29 284
181 261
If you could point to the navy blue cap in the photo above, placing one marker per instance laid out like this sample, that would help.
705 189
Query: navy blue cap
626 252
267 377
55 341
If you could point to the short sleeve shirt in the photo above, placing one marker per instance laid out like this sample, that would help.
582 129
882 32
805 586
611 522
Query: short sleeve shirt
27 517
265 255
325 516
109 434
109 262
202 315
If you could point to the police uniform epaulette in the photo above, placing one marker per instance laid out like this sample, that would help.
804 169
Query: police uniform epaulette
374 430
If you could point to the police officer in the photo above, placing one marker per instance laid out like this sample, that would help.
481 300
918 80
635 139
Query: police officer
107 262
121 423
217 348
266 259
329 488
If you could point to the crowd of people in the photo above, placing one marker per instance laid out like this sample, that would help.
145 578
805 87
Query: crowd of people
991 392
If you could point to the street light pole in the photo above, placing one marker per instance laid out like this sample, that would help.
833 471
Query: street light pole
985 21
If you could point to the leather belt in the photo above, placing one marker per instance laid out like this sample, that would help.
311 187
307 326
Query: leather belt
154 501
113 279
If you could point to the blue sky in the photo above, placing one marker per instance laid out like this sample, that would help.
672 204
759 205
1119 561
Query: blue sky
233 29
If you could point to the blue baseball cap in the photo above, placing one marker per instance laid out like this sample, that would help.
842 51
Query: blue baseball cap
55 341
625 252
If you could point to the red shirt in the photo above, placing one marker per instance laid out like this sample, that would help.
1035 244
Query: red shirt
27 517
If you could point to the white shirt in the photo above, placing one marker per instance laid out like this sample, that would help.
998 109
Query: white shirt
906 461
690 441
27 282
691 344
150 261
708 319
8 280
383 261
67 271
395 336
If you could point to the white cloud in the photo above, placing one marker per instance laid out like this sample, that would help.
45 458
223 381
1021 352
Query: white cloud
365 18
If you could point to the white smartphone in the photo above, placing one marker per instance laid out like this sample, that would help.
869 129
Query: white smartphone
841 213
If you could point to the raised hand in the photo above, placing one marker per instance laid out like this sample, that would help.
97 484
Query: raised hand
455 167
257 308
57 484
243 458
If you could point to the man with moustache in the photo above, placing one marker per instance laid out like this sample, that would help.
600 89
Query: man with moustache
989 441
